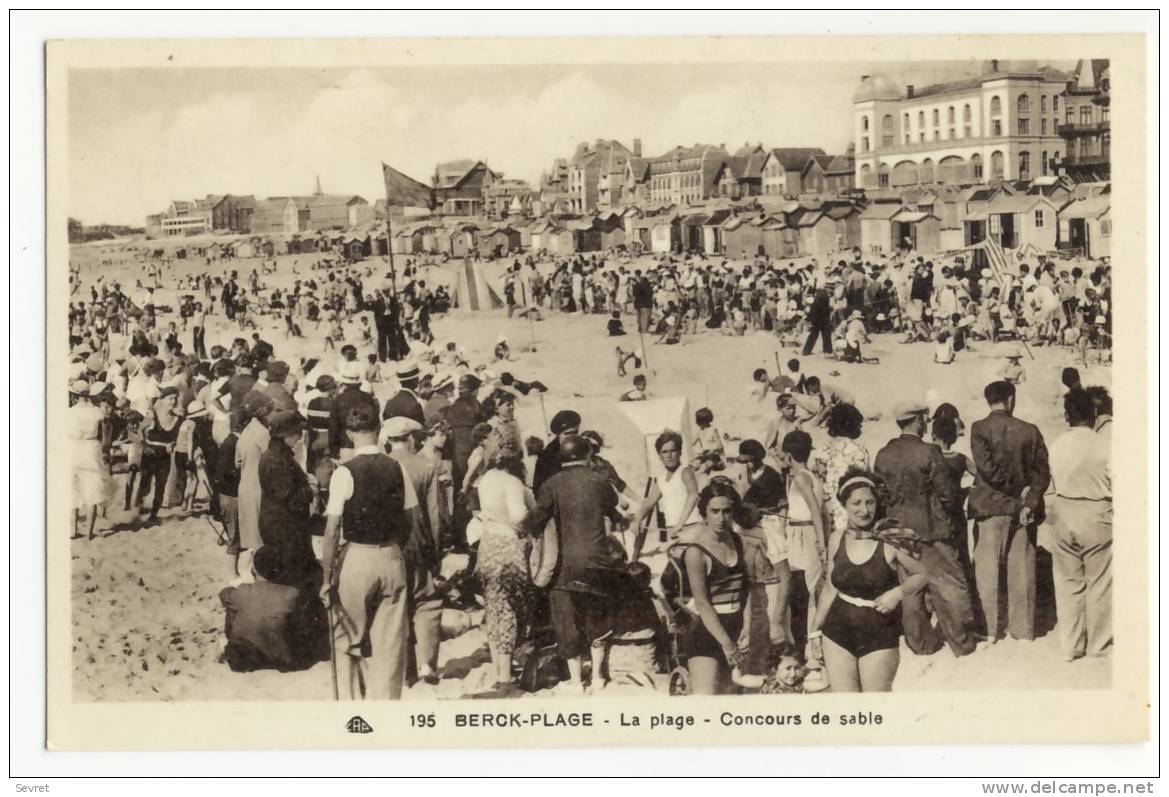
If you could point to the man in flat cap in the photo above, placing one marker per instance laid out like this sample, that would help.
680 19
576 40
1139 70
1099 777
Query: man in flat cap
424 603
916 490
579 500
371 494
564 424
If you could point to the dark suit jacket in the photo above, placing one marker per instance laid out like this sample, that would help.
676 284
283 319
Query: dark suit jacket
579 500
915 487
1010 456
349 397
406 405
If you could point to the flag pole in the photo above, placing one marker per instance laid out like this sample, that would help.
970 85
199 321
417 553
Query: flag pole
389 235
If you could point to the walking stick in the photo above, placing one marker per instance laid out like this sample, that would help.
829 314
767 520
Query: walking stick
333 650
644 352
543 412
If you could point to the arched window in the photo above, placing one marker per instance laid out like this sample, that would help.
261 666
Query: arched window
904 173
925 172
887 130
951 169
935 117
866 176
883 176
921 118
966 112
996 106
1043 163
1042 103
1024 104
976 166
950 115
997 165
1024 165
864 123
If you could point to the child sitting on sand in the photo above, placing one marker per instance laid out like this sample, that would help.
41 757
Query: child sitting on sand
366 332
1013 371
638 393
373 371
616 328
708 445
944 351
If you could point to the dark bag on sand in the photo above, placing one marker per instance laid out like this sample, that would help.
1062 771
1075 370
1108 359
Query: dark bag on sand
276 627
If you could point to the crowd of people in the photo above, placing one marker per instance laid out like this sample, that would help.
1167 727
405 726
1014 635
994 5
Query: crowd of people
786 567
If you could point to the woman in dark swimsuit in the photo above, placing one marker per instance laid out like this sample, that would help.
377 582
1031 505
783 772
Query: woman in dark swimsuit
858 625
716 576
161 433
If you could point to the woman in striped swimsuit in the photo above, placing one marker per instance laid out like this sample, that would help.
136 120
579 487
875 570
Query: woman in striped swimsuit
717 581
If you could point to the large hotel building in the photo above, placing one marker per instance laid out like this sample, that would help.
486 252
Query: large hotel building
1002 125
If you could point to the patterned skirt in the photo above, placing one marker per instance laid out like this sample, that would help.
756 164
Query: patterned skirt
503 566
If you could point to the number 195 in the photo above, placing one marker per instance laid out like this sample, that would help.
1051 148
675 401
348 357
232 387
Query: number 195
422 721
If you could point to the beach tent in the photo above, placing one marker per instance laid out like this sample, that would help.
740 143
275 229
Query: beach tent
656 416
472 292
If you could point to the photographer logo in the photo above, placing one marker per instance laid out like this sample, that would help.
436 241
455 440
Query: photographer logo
357 725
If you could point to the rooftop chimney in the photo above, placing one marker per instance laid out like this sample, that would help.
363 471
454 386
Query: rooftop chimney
637 147
909 91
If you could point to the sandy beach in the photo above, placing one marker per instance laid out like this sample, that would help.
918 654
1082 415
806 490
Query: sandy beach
147 621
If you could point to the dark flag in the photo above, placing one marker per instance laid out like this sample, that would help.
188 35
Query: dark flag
404 191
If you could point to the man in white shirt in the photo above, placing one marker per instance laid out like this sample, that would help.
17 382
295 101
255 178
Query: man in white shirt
375 499
1081 519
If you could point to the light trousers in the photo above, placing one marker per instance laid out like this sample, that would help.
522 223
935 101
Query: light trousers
372 598
1002 545
1082 565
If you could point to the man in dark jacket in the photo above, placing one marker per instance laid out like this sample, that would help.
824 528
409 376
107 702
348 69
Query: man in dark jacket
564 424
405 403
917 491
643 300
579 500
349 396
381 321
1006 503
819 323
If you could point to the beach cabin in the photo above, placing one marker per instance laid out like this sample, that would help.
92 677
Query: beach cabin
1086 225
915 230
586 236
712 232
1023 220
462 241
848 224
665 234
876 229
816 231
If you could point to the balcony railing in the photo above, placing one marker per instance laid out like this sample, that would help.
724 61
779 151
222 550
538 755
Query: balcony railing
1071 129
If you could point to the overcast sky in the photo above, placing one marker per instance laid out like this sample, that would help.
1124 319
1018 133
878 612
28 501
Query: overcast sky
141 137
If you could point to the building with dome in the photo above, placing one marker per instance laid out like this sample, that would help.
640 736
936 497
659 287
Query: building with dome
1001 125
